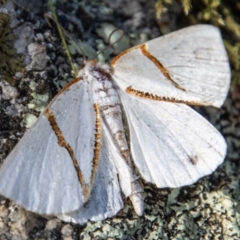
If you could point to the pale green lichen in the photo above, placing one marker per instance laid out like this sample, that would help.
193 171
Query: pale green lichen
38 103
29 119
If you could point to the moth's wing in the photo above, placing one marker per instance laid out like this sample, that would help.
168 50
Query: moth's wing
113 155
189 65
171 144
39 173
105 199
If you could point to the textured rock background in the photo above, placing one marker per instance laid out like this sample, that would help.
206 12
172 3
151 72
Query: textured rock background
208 209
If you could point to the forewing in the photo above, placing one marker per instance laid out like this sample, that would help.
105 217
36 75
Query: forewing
50 169
105 199
171 144
189 65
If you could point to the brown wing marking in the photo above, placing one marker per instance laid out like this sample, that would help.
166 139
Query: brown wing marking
63 143
141 94
97 143
146 53
159 65
113 62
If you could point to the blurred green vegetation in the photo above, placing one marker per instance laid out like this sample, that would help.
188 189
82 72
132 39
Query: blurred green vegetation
11 62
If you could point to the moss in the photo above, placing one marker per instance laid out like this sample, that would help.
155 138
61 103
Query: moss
162 5
234 56
13 62
2 2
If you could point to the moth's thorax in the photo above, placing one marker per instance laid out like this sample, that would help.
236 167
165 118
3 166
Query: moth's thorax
100 71
100 77
106 96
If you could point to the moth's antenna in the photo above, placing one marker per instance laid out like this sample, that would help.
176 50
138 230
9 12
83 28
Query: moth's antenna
108 41
61 30
48 16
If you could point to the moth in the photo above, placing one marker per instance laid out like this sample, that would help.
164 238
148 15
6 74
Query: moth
75 162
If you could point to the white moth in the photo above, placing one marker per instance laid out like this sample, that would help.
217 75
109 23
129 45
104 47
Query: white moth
75 161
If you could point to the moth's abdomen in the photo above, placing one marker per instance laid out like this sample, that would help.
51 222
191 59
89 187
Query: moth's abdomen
112 116
111 113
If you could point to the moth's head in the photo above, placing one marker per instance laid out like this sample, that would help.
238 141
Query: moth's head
93 65
85 67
